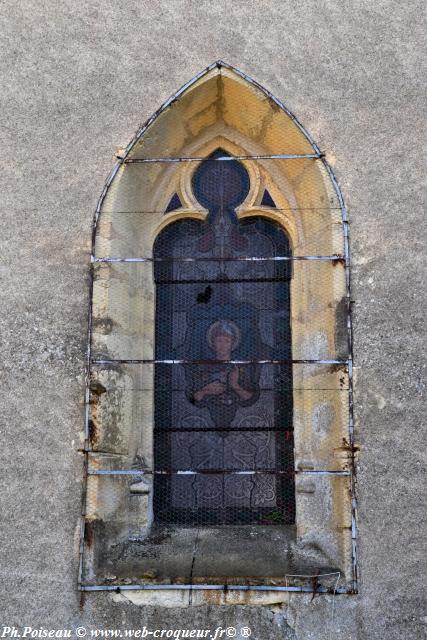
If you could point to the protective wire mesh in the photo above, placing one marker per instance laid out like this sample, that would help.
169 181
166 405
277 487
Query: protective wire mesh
307 296
221 102
122 404
234 304
304 202
122 542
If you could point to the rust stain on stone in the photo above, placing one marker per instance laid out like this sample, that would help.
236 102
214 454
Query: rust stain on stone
104 325
93 431
89 534
338 261
97 388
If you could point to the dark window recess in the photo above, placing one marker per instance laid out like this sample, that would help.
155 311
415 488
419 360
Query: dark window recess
229 423
267 200
174 203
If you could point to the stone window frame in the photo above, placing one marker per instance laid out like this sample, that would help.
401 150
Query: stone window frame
101 462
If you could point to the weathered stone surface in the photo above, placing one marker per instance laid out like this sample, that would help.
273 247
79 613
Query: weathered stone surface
76 81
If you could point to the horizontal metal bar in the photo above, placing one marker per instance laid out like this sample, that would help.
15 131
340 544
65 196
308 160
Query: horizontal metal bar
338 472
224 281
209 362
334 257
190 472
277 156
216 587
264 389
338 223
220 429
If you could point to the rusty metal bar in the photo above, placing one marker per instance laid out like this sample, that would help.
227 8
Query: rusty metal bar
305 389
278 156
220 429
217 587
319 588
335 257
162 211
192 472
346 239
206 362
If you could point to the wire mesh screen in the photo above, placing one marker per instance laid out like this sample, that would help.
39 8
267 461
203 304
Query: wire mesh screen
223 422
219 380
297 190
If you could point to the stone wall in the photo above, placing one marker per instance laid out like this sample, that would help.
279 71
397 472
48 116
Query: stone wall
78 78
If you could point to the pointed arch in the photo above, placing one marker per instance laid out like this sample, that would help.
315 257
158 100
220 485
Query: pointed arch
150 190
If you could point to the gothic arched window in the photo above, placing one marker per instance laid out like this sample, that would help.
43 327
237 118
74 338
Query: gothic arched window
219 433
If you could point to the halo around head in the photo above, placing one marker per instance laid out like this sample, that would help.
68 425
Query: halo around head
223 328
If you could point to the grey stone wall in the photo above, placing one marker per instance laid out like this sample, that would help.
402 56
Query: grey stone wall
77 79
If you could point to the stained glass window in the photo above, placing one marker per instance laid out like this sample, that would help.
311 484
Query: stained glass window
223 411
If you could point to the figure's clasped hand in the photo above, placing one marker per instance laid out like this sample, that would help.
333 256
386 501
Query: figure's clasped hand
214 388
244 394
234 379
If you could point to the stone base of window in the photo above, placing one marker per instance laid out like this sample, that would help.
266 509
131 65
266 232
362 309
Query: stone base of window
249 554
